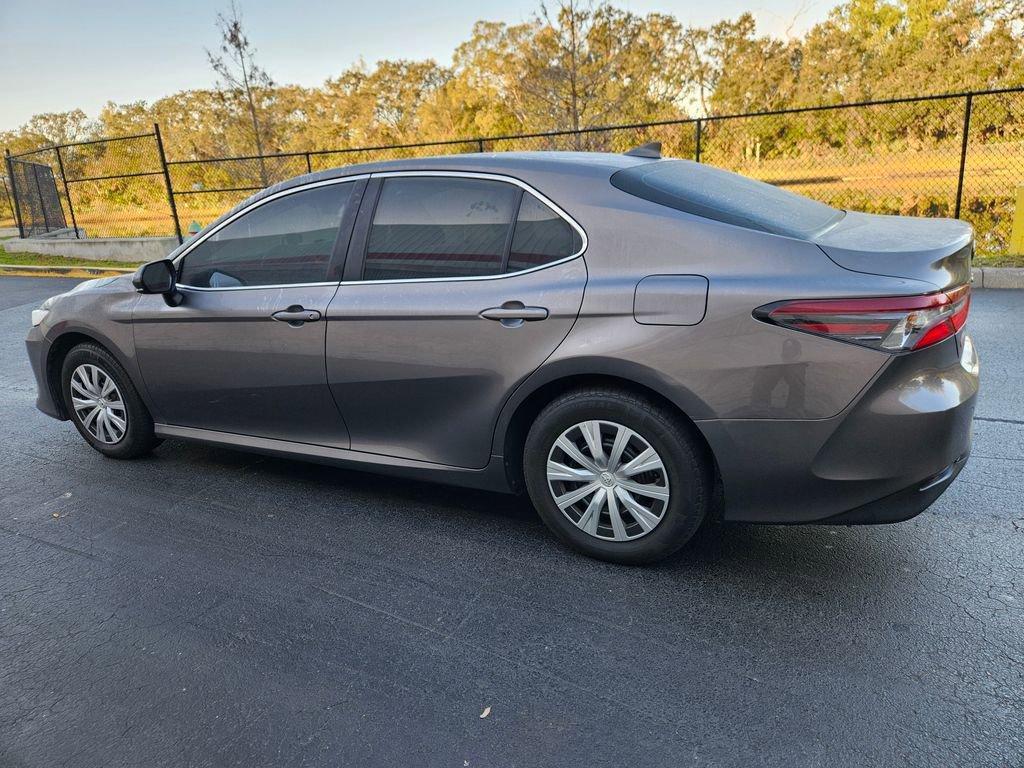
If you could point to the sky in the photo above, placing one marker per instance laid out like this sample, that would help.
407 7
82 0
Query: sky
56 55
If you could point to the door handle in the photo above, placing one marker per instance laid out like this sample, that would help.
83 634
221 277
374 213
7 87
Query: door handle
296 316
512 314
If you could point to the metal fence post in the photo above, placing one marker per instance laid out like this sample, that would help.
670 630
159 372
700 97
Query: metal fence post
39 193
698 131
963 154
67 191
14 193
480 145
309 165
167 181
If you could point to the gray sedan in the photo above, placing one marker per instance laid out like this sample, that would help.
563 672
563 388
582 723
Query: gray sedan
637 343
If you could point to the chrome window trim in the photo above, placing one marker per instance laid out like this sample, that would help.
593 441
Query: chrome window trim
383 175
247 209
186 287
493 177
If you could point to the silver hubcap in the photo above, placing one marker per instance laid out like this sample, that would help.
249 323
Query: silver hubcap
608 480
98 404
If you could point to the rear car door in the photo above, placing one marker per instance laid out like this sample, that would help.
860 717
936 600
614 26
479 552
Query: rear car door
244 351
456 288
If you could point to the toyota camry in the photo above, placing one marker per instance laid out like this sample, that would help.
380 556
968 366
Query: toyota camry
636 343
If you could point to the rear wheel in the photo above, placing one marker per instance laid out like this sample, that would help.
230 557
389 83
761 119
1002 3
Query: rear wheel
104 405
616 476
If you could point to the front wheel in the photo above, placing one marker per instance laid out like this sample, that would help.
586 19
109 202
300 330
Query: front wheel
616 476
104 405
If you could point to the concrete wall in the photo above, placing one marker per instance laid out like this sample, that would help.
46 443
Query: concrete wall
129 249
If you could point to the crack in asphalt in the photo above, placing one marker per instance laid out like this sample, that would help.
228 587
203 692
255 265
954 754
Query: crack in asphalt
999 421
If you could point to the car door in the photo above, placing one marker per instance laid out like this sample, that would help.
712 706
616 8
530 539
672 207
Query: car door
244 351
457 287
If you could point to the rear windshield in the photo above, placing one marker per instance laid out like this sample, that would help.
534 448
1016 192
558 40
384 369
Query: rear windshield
704 190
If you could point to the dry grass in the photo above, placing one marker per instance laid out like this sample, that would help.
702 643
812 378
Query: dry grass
17 258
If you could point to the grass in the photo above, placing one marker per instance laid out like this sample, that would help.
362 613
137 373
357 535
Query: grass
999 260
48 260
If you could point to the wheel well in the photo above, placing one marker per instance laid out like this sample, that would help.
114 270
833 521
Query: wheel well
528 410
55 360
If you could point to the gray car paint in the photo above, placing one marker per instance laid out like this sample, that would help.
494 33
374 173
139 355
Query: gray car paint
670 300
256 376
913 247
418 373
785 414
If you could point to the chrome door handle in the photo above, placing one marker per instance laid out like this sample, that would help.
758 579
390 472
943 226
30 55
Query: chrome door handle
296 316
514 313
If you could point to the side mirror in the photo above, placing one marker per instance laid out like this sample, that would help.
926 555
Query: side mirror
158 277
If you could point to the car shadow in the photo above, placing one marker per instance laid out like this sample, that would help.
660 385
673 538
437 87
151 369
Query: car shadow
782 553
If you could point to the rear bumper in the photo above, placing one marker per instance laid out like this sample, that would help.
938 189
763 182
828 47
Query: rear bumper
902 505
886 458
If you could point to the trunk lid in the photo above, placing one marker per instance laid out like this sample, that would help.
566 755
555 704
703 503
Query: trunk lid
937 251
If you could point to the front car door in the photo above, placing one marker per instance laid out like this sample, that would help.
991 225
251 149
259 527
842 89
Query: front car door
457 287
244 352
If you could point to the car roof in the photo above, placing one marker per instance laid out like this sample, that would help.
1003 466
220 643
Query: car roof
516 164
510 163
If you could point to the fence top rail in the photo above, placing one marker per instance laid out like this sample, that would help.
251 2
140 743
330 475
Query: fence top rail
311 152
18 159
871 103
275 155
87 142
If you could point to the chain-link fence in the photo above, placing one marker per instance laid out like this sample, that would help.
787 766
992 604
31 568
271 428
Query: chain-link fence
203 189
114 187
7 218
38 203
959 155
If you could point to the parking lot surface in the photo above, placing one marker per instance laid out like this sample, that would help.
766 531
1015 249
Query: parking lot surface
209 607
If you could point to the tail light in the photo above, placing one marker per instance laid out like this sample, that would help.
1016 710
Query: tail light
891 323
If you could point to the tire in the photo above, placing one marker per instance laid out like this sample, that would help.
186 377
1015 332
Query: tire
136 438
679 467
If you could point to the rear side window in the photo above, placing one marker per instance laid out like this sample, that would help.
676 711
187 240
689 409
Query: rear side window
541 236
440 227
286 241
727 197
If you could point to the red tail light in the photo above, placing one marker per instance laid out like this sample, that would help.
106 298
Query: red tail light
891 323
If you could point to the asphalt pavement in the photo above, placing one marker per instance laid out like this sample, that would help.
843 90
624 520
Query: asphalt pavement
205 607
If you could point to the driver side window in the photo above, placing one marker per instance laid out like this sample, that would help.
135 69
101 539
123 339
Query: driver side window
286 241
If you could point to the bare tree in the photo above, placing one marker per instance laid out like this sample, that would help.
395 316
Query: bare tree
242 76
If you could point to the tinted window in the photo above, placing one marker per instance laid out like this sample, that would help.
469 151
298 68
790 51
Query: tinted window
541 236
439 227
288 240
723 196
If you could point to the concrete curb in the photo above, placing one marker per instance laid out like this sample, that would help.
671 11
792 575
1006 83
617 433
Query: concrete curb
998 277
30 270
128 249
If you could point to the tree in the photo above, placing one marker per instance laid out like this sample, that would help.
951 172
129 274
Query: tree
584 65
242 77
47 129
